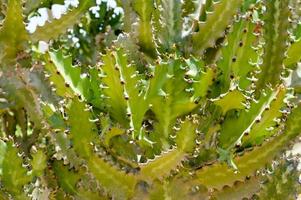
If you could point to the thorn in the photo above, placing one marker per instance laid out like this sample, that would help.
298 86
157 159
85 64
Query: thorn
237 145
234 59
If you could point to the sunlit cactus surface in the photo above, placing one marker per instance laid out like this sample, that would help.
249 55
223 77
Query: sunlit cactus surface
152 99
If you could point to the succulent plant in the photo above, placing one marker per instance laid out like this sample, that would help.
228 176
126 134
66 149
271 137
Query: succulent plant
189 100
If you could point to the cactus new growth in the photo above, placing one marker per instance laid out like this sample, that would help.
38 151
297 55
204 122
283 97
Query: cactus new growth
166 99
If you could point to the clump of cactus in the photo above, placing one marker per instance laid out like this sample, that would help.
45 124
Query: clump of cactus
189 100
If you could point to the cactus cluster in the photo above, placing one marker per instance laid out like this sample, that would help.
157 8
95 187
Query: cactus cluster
185 100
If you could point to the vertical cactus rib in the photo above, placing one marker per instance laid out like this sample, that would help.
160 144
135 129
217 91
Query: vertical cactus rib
170 31
124 92
113 89
238 56
228 53
246 57
13 35
145 9
215 25
81 128
137 105
276 34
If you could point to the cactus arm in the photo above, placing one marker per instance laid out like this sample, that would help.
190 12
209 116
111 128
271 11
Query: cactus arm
57 80
186 136
13 175
219 175
114 89
67 179
238 54
20 90
161 166
119 184
71 74
170 101
51 30
260 129
13 35
233 129
157 81
239 191
95 92
79 126
171 20
136 104
166 162
202 77
174 189
80 83
203 83
145 9
276 34
228 53
293 54
215 25
246 56
128 15
38 163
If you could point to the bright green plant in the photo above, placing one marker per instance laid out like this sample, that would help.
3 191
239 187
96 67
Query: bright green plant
189 102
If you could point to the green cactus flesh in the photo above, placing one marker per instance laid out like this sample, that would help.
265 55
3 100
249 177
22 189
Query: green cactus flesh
180 100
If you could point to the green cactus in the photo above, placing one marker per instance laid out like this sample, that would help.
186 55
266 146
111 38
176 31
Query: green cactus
189 100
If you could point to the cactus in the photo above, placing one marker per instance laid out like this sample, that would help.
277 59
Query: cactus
188 101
